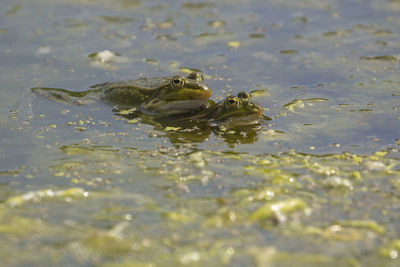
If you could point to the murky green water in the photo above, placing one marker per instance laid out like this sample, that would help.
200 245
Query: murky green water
318 185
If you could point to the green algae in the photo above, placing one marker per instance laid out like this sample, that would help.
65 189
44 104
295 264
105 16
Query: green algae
348 231
20 226
106 245
288 52
338 182
391 250
181 216
270 256
366 224
45 194
383 58
127 264
252 202
278 210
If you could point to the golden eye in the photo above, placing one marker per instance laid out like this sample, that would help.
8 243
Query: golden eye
201 77
178 82
232 102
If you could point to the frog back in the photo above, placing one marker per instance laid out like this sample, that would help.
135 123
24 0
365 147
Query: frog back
131 92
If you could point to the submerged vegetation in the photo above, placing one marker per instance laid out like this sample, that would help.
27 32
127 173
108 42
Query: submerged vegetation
291 198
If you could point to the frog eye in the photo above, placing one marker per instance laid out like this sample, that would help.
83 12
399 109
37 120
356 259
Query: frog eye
178 82
232 102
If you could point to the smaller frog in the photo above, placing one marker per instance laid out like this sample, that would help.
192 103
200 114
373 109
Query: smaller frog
237 110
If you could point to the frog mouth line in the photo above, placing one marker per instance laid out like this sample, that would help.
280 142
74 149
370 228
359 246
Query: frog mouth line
190 95
178 106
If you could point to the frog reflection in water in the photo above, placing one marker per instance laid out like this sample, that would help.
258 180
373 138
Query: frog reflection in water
234 119
156 95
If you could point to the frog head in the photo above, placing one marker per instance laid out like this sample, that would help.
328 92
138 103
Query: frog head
180 95
236 110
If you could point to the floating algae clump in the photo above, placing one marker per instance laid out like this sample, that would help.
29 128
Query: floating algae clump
44 194
278 210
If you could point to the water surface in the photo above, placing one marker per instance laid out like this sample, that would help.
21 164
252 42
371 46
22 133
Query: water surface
317 185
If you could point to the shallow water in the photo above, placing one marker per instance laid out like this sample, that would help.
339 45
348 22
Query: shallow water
317 185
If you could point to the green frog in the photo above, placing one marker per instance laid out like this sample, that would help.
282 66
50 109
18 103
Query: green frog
155 95
237 110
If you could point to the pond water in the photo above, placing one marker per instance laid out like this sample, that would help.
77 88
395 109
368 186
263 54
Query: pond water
317 185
